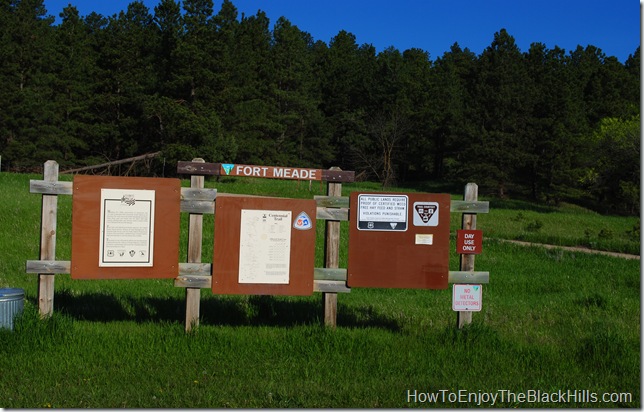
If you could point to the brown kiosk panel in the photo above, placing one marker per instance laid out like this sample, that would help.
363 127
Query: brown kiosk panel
264 246
88 258
398 240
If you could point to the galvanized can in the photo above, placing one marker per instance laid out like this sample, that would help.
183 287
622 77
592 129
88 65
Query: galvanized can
12 301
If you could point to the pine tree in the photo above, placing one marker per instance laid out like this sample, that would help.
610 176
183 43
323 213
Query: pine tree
302 139
501 98
28 132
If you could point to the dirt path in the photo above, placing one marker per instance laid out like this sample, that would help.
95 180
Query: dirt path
573 249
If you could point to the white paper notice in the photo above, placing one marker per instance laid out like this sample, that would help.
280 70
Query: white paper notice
265 246
127 228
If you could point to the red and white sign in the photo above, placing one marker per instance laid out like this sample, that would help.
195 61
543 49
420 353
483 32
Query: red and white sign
467 298
469 241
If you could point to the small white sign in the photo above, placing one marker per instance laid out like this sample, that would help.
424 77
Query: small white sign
303 222
127 228
425 214
467 298
424 239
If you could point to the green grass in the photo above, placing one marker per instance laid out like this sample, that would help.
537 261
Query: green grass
551 320
566 225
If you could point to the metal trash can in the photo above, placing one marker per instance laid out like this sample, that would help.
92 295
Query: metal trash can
12 302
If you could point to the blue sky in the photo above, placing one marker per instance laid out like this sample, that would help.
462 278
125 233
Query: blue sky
434 25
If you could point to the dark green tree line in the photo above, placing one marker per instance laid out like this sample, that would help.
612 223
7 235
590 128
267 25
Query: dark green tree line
192 81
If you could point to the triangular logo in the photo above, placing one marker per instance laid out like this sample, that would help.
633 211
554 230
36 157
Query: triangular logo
425 211
227 167
393 225
303 222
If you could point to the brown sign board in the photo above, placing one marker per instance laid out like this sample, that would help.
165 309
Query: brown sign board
274 172
125 227
264 246
469 242
398 240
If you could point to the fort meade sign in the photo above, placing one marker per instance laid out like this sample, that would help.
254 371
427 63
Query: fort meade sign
277 172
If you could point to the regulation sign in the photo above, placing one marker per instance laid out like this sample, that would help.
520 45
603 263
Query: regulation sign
469 242
467 298
382 212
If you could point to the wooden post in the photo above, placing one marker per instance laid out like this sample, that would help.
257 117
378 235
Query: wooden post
467 260
332 257
195 237
48 241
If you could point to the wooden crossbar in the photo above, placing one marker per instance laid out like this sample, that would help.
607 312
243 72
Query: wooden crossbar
189 273
197 201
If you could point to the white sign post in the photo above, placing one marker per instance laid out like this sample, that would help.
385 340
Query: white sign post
467 298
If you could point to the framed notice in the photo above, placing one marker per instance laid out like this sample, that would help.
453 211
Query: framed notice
265 246
127 228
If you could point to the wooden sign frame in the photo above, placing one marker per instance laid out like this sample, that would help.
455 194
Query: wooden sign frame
86 227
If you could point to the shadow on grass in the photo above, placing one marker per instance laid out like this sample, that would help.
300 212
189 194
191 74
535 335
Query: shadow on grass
218 310
103 307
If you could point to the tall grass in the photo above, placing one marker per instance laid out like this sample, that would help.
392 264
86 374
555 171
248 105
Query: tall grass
551 321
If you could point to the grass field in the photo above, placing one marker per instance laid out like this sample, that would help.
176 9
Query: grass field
557 329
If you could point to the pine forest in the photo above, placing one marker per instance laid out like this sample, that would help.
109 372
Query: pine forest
187 80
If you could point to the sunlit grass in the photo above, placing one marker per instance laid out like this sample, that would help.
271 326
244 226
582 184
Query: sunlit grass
551 320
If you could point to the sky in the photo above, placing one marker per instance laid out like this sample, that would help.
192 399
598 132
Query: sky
435 25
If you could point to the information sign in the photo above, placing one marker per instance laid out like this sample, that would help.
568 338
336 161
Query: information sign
265 246
469 241
382 212
127 228
467 298
398 240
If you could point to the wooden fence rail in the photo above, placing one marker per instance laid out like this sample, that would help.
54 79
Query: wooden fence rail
195 275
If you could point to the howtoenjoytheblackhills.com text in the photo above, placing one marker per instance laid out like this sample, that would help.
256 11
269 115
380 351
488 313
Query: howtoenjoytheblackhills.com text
509 397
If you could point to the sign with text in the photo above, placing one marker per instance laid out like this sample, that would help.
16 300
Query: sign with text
426 214
469 242
382 212
263 246
467 298
125 227
276 172
398 240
